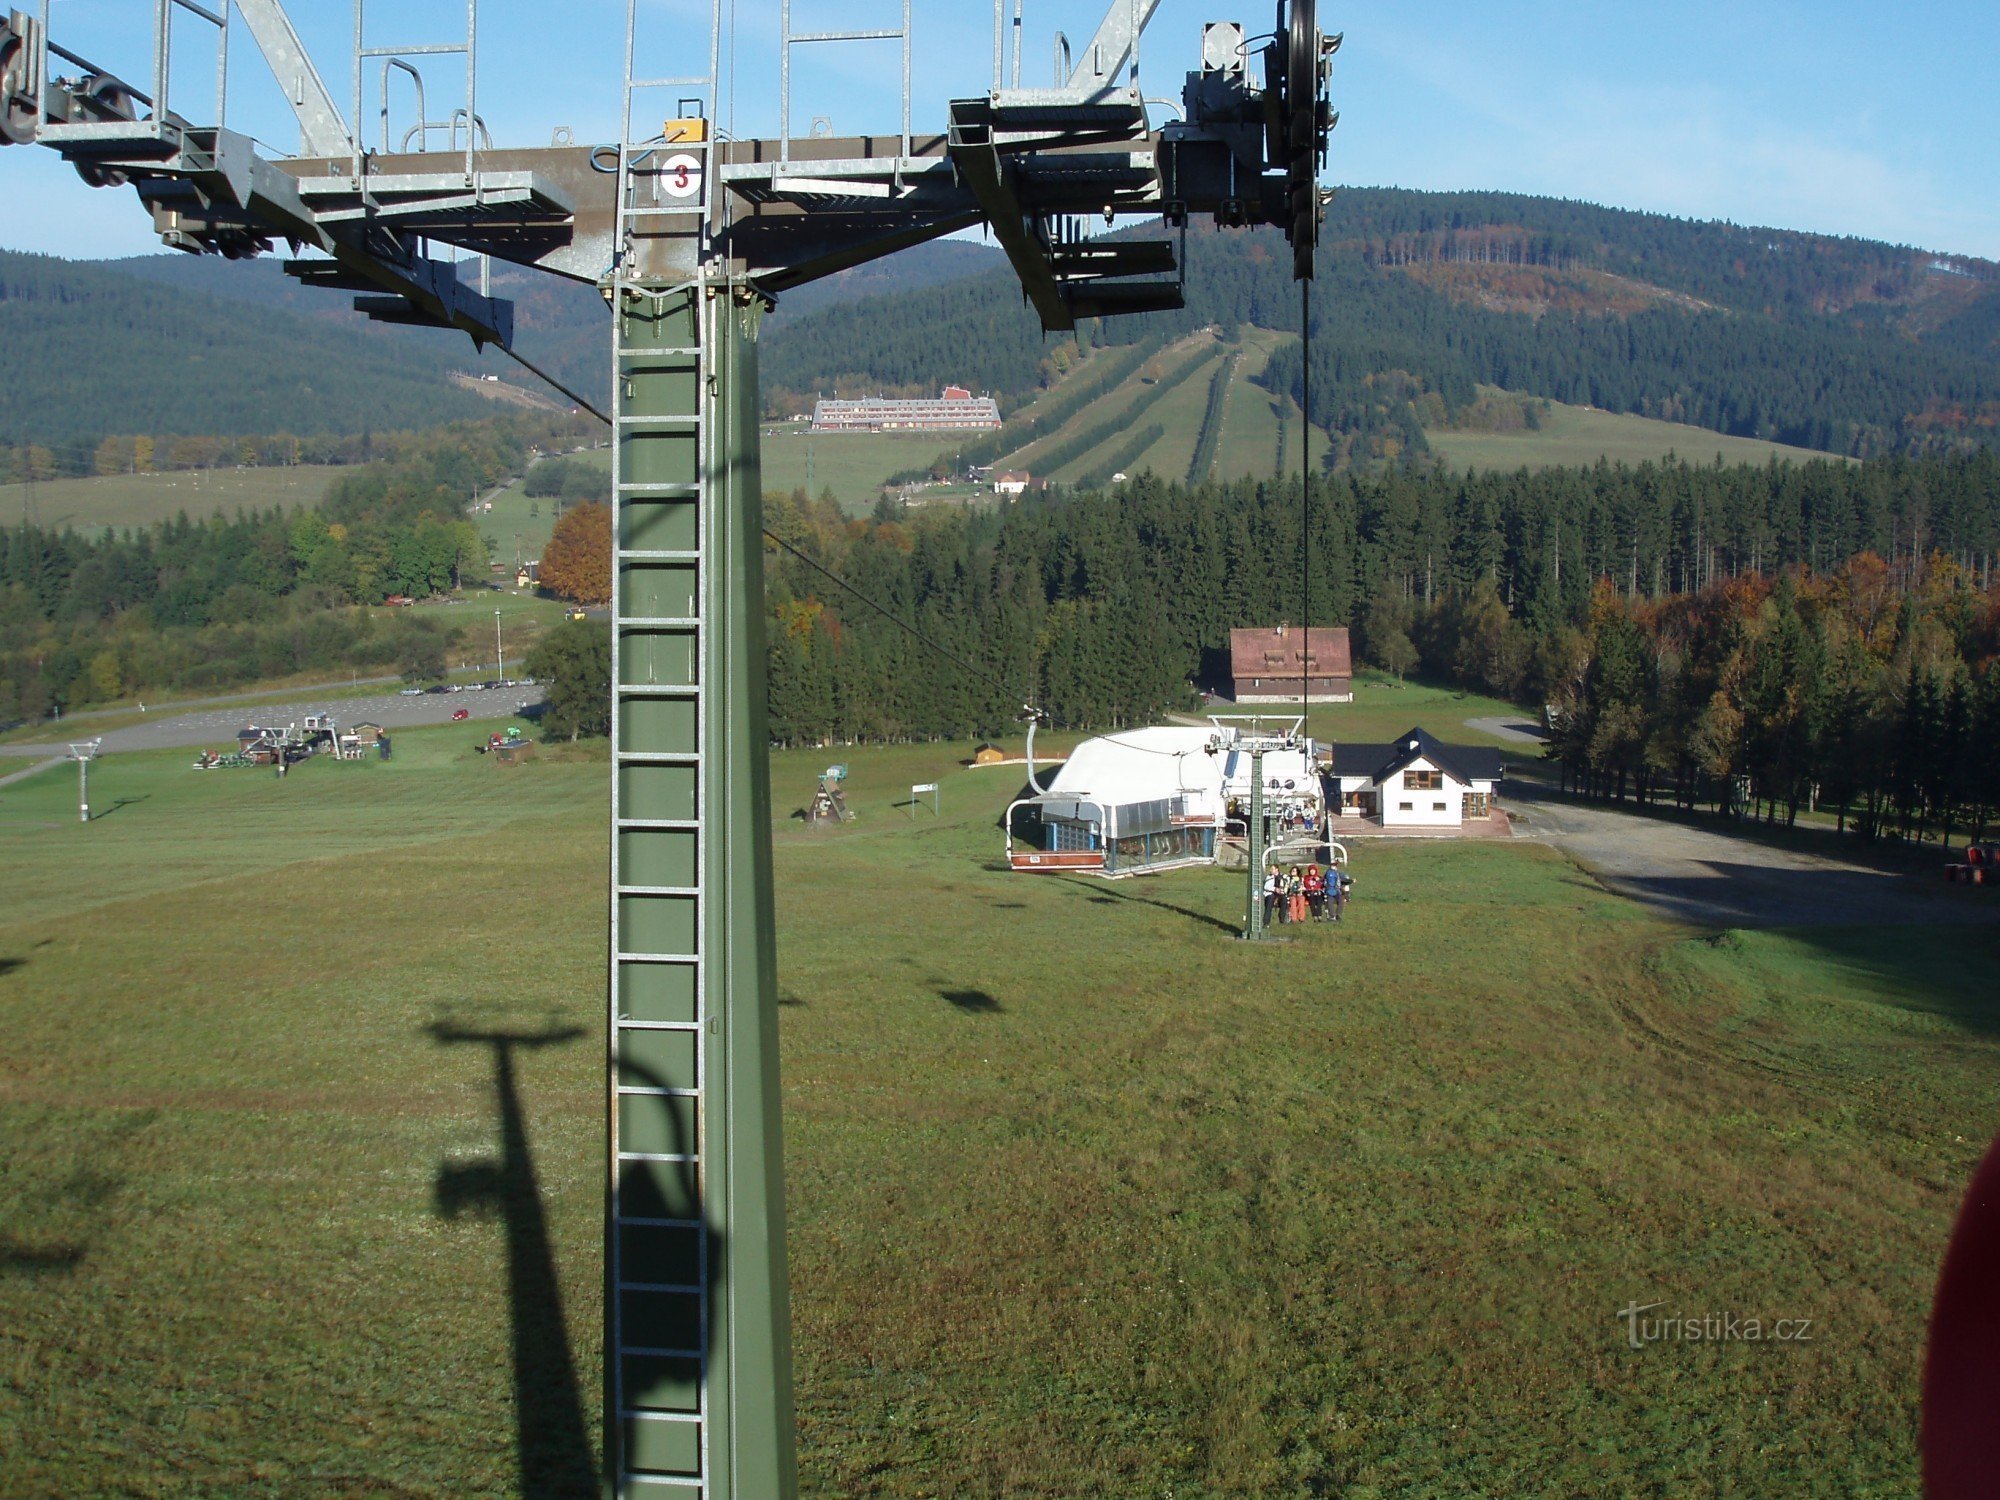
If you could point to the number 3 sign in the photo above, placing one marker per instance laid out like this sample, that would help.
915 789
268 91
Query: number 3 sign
680 176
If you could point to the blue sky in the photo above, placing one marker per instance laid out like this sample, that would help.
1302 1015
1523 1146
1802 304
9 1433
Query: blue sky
1832 116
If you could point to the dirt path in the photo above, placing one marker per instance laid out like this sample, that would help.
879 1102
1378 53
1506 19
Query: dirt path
1715 878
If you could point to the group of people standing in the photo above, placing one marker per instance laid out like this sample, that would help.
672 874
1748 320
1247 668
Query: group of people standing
1305 893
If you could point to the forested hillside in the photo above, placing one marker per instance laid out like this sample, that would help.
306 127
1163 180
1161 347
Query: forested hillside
1841 345
85 353
562 326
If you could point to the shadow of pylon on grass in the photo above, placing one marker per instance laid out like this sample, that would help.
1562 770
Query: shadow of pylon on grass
551 1438
1104 894
18 1258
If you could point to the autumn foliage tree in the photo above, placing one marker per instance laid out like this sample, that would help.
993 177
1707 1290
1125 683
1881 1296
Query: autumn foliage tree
576 564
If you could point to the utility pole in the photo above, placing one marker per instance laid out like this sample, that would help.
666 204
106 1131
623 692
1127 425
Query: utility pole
83 754
499 649
1256 743
1253 926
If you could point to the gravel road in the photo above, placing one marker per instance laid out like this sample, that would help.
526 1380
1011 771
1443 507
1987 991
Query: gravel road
215 728
1715 879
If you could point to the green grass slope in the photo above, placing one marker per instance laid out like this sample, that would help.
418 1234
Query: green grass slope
1085 1198
119 500
854 465
1574 436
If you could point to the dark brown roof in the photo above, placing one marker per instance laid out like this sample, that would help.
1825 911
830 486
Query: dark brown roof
1278 651
1380 762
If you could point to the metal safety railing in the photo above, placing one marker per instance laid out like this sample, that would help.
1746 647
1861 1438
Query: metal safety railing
789 39
159 111
397 59
163 48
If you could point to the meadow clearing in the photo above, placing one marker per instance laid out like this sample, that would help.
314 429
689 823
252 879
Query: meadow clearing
1086 1198
147 499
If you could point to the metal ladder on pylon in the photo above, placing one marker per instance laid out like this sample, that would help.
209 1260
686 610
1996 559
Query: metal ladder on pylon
658 1246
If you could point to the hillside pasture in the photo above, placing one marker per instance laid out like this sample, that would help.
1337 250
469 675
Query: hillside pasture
518 526
120 500
854 465
1085 1197
1574 436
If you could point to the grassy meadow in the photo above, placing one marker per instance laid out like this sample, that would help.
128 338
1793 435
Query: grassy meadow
1086 1198
1579 435
144 499
517 528
1386 706
854 465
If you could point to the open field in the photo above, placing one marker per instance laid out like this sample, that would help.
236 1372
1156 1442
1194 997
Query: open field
144 499
854 465
517 528
1578 435
1086 1199
1385 707
1249 446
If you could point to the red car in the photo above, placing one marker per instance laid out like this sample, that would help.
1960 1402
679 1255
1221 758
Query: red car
463 713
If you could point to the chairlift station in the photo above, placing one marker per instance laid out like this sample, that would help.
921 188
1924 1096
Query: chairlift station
691 235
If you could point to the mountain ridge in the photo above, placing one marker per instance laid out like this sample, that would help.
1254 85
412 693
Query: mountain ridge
1834 343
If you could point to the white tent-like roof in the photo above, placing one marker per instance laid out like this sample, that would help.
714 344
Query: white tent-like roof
1155 764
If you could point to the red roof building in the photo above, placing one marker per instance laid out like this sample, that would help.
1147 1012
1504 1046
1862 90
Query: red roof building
1277 664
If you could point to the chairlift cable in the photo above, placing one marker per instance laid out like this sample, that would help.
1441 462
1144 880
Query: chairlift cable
539 373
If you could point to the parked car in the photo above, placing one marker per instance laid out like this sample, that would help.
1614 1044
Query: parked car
436 687
462 713
410 693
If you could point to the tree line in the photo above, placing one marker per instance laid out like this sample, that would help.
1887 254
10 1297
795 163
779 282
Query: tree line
1864 691
147 453
1104 612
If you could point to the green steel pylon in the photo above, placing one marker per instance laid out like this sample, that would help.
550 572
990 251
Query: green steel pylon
698 1333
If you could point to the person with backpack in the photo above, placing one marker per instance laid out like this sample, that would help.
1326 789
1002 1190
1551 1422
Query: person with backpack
1316 891
1342 889
1295 894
